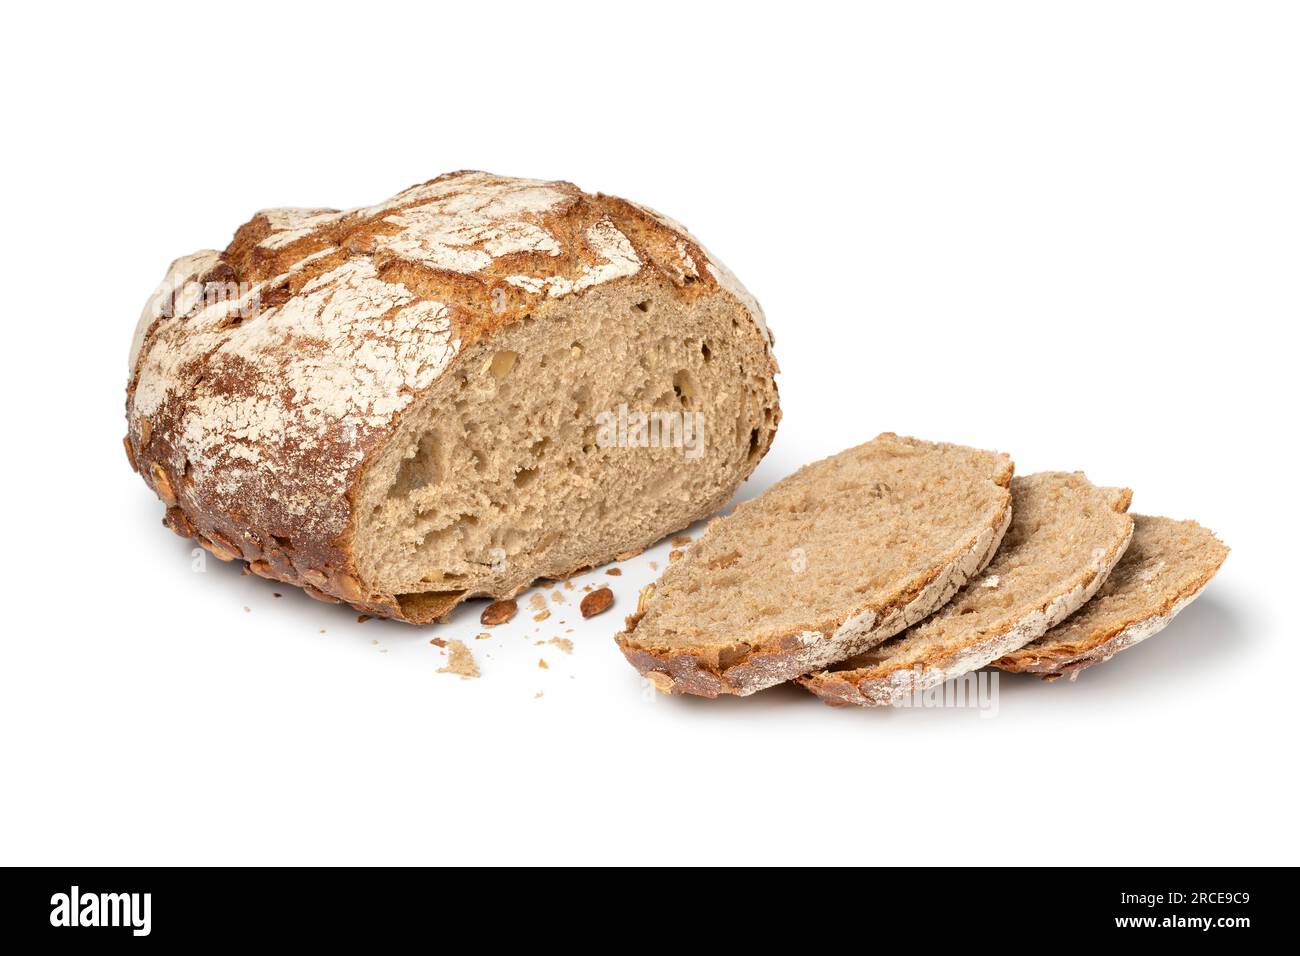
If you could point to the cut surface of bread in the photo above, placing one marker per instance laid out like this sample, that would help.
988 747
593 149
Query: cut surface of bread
510 469
1166 567
1066 535
477 383
829 561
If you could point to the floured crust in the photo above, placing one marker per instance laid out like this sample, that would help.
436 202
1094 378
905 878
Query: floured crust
1167 567
957 641
704 672
265 378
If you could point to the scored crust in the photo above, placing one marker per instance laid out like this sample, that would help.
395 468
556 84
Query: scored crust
1166 567
1066 535
255 413
927 517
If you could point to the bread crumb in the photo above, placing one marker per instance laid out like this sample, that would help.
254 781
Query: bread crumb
481 637
362 618
563 643
245 569
537 695
436 642
614 572
538 601
247 609
374 640
675 555
681 540
541 662
557 597
541 615
461 661
568 585
654 565
276 594
322 630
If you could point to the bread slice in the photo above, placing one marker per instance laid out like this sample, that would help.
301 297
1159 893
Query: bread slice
1065 536
479 382
826 563
1165 568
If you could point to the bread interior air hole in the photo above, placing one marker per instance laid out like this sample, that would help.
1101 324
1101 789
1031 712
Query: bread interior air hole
497 475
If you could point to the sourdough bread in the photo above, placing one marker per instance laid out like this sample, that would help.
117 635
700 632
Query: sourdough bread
404 405
826 563
1066 535
1166 567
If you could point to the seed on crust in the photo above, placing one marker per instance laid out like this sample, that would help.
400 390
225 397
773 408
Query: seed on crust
217 550
348 586
162 484
498 612
596 602
180 523
224 544
320 595
660 681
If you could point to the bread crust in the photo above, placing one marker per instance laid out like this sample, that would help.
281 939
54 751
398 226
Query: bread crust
256 433
1135 633
702 673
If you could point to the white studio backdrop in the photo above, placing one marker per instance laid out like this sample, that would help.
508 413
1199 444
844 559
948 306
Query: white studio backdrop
1065 231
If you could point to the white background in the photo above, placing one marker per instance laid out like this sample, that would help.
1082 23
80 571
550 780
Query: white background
1069 232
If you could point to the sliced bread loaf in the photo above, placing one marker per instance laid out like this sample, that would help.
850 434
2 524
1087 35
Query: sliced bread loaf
474 384
1165 568
1066 535
825 564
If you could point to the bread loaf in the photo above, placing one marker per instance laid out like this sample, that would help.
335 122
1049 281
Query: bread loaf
440 396
826 563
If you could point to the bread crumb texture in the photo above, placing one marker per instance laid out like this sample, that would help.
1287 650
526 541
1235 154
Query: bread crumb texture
827 563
